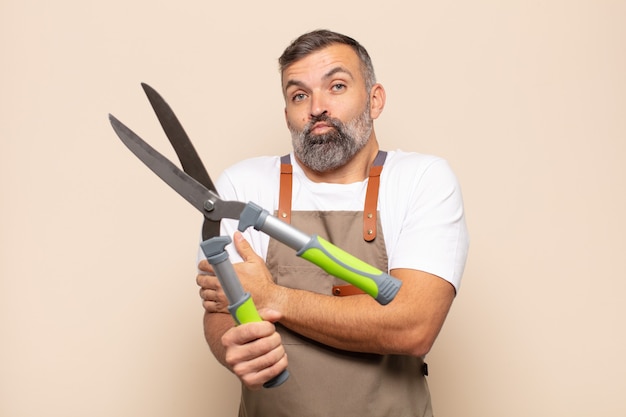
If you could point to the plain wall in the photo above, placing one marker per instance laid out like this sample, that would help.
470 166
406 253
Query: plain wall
99 311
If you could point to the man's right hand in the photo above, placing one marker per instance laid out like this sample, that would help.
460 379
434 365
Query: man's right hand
254 351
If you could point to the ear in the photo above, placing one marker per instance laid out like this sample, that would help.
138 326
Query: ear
377 100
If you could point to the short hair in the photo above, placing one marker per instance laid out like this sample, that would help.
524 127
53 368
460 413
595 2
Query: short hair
316 40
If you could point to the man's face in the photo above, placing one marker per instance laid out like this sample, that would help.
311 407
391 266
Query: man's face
327 107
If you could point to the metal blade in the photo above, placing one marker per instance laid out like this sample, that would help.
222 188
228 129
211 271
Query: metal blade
187 155
189 159
204 200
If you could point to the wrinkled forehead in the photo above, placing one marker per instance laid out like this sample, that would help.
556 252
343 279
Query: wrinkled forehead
323 63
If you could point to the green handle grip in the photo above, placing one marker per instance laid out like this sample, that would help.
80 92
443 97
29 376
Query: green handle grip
380 285
244 311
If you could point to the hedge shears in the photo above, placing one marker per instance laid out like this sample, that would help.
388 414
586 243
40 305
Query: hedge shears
194 184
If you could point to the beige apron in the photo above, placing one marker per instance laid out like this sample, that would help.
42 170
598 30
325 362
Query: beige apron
328 382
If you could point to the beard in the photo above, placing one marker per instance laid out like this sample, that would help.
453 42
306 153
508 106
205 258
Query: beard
331 150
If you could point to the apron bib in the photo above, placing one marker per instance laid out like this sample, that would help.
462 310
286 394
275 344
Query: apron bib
324 381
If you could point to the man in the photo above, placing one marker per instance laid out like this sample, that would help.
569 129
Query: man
347 355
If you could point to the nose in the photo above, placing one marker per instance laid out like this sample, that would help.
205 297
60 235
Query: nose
318 106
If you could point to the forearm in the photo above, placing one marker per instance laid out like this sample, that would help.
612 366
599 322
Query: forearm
408 325
215 325
348 323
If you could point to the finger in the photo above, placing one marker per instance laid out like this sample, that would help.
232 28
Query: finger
255 354
213 295
215 307
208 281
247 332
205 266
208 294
213 298
262 369
243 247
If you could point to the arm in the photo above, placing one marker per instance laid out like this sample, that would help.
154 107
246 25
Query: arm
215 325
408 325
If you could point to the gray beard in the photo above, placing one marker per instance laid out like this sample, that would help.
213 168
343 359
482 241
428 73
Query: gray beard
333 149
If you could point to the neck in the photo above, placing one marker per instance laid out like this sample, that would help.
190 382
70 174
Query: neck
357 169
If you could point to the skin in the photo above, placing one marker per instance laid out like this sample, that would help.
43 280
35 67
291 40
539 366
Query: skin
329 81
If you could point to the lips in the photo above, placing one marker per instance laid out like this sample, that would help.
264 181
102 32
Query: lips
319 128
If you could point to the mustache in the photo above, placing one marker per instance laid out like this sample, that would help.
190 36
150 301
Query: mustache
324 117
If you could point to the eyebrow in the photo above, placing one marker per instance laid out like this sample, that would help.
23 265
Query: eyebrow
336 70
329 74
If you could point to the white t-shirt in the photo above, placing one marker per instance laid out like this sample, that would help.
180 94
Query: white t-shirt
420 205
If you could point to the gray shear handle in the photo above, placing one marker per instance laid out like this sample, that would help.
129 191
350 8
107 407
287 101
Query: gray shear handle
241 306
380 285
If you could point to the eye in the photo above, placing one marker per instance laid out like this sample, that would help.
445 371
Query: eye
298 97
338 87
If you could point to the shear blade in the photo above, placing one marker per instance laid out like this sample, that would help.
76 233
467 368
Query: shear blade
204 200
187 155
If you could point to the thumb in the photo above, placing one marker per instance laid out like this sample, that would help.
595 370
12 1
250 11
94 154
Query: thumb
243 247
270 315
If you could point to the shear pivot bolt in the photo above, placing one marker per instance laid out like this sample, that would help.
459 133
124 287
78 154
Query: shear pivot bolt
209 205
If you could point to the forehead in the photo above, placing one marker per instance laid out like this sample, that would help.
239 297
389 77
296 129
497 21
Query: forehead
319 64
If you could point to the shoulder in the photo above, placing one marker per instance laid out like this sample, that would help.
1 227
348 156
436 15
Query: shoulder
258 170
414 161
423 216
259 166
403 168
253 179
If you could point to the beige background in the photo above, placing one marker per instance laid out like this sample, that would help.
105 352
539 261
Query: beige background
99 312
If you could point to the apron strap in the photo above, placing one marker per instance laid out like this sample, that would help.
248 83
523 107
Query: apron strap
371 195
286 185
